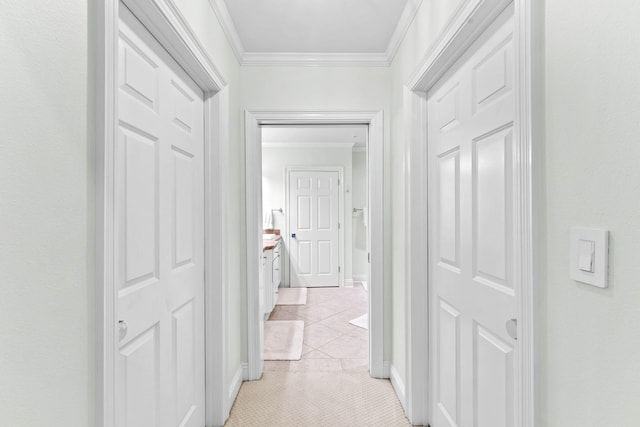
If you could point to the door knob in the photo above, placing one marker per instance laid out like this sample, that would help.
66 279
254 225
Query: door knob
123 326
293 235
512 328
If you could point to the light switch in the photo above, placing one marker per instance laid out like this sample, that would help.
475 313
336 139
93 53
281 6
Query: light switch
589 256
585 255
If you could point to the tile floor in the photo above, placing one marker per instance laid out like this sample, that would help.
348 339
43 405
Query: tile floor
331 343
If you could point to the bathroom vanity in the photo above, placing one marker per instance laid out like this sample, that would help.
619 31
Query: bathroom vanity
271 270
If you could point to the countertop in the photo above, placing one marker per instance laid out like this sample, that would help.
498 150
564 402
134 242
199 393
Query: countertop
267 245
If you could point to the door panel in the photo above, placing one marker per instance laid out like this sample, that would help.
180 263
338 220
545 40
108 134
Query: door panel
314 212
472 289
159 236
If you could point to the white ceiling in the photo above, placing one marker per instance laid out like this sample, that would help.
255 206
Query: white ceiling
315 136
263 32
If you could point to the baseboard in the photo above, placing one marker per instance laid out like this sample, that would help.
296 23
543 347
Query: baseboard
364 285
348 283
234 388
398 386
359 277
386 369
245 371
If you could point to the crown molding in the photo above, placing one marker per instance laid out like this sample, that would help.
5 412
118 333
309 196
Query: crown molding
308 59
409 12
224 17
343 145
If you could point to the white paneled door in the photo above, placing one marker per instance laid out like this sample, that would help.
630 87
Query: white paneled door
471 227
314 228
159 236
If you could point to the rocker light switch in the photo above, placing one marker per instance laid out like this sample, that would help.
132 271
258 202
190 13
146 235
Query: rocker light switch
589 257
585 257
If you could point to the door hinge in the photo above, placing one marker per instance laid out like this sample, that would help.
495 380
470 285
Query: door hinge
338 181
369 257
338 226
338 269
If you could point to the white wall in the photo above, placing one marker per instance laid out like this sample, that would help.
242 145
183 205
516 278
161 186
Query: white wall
46 215
426 26
334 89
360 264
591 364
274 162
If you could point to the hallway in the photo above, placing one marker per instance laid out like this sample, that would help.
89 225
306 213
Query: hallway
330 385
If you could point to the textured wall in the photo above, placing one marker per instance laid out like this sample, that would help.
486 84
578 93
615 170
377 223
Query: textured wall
591 366
46 215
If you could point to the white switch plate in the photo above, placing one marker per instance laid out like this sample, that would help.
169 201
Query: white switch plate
580 240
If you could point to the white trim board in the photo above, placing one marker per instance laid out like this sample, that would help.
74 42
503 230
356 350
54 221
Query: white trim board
253 170
341 217
164 21
315 59
465 26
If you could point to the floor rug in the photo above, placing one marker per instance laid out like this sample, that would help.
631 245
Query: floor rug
361 322
292 296
283 339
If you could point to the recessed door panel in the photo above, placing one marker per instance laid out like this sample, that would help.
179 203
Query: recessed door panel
324 257
448 113
493 75
183 199
448 362
324 212
494 380
140 361
183 107
139 74
304 213
184 361
492 197
304 257
141 206
449 215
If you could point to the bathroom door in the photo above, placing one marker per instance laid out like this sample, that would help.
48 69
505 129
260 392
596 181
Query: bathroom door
473 285
314 228
159 227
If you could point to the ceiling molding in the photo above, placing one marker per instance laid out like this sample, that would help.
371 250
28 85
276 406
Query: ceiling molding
409 12
314 59
310 59
343 145
224 17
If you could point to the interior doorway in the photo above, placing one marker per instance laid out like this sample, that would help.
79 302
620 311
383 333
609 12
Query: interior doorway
256 124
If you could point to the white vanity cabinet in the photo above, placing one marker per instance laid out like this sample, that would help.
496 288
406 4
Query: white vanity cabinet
271 271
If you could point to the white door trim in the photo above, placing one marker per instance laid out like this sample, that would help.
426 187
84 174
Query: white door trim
253 169
165 22
471 19
342 207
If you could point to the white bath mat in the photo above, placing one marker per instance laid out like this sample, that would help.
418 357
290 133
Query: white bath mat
361 322
283 339
292 296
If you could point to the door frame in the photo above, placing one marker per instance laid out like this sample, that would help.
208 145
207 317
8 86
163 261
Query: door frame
341 217
469 21
166 23
253 194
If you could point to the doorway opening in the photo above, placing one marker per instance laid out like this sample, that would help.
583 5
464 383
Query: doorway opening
277 144
314 204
